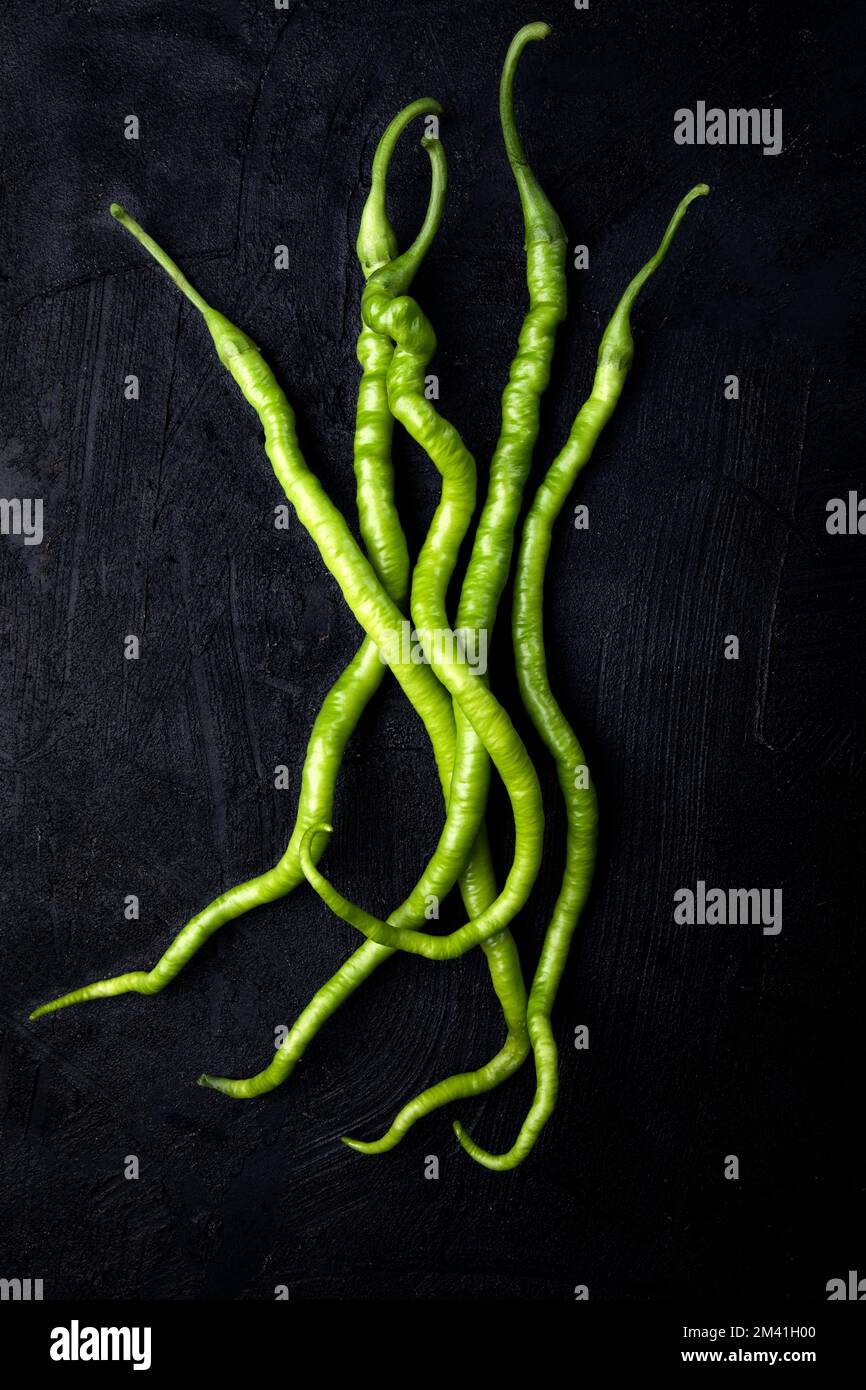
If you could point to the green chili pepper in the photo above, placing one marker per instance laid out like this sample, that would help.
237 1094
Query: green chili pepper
430 582
399 317
372 607
490 560
386 546
466 724
375 242
374 610
614 359
486 575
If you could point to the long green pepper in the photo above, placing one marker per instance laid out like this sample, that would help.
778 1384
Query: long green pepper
429 698
614 361
467 726
364 594
433 570
490 560
386 547
486 576
403 320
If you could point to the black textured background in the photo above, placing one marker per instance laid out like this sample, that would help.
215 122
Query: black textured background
156 777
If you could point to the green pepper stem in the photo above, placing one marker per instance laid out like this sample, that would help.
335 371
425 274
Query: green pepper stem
229 340
399 274
617 345
542 222
169 266
377 243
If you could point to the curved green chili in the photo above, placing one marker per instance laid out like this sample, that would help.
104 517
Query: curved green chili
486 576
404 321
614 359
389 310
370 604
470 727
400 317
386 546
490 560
363 592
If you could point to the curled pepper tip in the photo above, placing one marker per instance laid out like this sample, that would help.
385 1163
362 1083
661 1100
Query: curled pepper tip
700 190
530 33
497 1163
372 1146
55 1005
465 1139
321 825
355 1144
306 850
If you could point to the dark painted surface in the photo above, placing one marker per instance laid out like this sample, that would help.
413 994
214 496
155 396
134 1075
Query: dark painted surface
156 777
